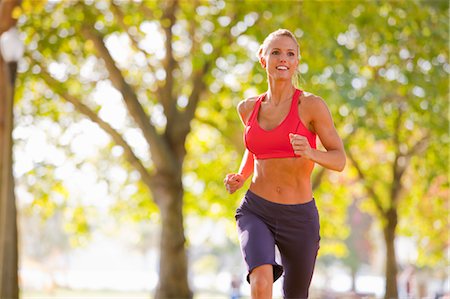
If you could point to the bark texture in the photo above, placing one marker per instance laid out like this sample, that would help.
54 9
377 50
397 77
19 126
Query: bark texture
391 260
8 221
173 273
9 284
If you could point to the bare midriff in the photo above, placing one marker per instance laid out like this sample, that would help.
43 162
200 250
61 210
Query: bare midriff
283 180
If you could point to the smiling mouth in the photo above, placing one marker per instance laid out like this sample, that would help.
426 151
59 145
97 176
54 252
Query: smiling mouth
282 68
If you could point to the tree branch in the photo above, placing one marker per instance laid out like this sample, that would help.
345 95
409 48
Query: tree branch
159 148
119 16
397 167
419 147
177 131
402 160
83 109
198 85
197 76
368 187
149 15
167 99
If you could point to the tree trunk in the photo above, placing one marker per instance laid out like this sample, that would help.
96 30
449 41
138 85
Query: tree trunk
391 261
353 273
9 286
9 282
173 281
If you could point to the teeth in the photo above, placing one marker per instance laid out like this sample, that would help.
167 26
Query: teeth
282 68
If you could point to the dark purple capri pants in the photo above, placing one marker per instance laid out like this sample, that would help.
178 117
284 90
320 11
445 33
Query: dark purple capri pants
294 229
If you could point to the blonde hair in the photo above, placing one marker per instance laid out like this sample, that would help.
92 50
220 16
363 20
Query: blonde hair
280 32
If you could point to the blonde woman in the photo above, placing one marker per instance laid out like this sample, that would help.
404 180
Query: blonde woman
281 126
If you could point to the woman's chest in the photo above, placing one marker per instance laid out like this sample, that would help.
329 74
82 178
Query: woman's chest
270 117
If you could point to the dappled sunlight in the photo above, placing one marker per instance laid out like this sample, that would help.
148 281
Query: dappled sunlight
125 125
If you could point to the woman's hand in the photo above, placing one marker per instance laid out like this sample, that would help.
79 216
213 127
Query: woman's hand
300 145
233 182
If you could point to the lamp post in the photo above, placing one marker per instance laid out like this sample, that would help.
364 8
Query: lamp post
11 50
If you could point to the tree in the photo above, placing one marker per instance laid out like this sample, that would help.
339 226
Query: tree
9 288
176 53
394 76
162 109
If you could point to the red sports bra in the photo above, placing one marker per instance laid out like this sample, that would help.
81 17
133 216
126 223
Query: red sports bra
275 143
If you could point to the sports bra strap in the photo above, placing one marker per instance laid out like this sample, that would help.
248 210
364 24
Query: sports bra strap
255 109
294 104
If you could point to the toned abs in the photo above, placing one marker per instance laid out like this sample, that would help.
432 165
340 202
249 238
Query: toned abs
285 181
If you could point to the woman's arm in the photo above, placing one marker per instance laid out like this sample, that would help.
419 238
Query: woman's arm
234 181
322 122
247 163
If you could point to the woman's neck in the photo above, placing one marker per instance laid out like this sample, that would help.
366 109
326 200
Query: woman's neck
279 92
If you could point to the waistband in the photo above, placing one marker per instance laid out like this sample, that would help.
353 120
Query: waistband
273 210
249 194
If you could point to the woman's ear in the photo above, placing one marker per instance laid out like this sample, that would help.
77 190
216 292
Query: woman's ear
262 61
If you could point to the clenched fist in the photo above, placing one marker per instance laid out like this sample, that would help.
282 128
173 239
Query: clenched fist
300 145
233 181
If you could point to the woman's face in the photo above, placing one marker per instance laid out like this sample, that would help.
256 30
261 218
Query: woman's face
280 59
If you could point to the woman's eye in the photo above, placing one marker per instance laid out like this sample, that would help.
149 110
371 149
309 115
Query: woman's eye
291 54
275 52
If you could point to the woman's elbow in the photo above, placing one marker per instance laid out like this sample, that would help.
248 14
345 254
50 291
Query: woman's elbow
341 165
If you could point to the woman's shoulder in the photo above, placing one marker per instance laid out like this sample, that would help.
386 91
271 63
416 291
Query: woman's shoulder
248 102
311 101
245 107
310 98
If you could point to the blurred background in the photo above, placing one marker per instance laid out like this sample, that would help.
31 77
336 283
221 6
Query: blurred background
118 124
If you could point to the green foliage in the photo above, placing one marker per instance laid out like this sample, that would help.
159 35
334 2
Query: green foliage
50 204
333 198
208 159
133 204
405 84
78 226
382 68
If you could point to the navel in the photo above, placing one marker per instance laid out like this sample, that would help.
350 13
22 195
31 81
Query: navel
278 190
